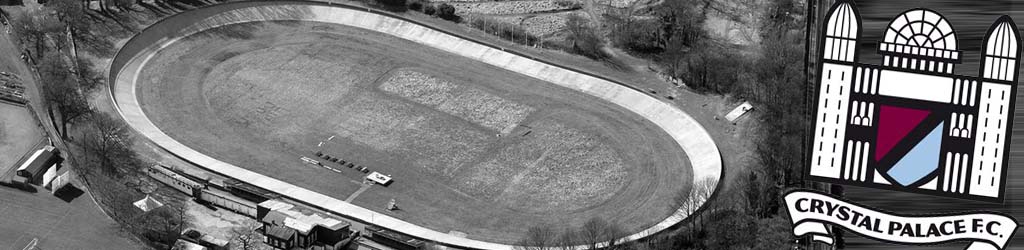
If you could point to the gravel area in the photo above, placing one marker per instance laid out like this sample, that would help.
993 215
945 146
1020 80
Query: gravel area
507 7
552 166
472 104
547 24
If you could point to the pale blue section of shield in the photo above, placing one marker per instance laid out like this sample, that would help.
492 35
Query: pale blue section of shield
922 160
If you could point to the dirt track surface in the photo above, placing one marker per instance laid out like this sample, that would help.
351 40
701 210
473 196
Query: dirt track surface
262 95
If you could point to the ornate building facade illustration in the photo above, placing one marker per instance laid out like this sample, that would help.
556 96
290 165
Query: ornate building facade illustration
910 123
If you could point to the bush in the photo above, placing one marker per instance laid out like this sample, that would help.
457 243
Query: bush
582 39
393 5
713 69
429 9
447 12
644 36
730 230
416 5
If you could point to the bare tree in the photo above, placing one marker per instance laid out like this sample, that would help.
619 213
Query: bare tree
593 232
582 38
674 58
538 238
687 201
684 20
163 226
699 69
61 92
567 240
706 187
31 31
682 201
107 142
88 79
691 202
655 242
175 222
246 235
598 233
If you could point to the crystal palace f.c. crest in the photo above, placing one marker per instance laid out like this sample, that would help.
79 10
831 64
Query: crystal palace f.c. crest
911 124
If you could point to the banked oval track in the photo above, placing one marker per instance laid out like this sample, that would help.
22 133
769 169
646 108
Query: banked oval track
701 150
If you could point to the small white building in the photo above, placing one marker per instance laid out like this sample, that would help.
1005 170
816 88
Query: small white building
379 178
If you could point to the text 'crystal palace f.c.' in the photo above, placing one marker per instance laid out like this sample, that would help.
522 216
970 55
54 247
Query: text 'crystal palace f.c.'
910 124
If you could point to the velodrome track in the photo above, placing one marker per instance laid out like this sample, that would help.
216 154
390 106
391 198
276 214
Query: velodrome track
701 150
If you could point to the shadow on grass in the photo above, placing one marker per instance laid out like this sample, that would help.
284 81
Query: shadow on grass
154 9
116 19
192 3
22 187
615 63
68 193
95 44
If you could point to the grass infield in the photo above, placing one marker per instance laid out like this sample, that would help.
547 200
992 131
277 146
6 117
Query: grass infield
472 148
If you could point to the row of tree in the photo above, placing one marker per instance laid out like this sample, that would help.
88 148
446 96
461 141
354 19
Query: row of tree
595 233
769 75
729 219
443 10
581 37
673 26
100 144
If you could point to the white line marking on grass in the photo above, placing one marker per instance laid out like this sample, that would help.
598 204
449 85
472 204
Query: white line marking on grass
58 222
529 167
31 244
360 191
14 245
